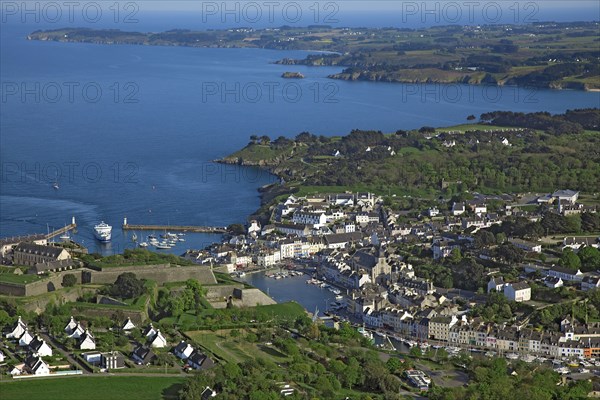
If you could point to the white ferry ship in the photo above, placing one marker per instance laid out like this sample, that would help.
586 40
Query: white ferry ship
103 231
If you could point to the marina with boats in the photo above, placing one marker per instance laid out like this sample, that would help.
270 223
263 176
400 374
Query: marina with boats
167 240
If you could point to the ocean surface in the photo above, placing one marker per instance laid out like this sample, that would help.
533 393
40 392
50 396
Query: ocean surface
131 131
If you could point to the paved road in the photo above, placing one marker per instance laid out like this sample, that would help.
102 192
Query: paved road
65 353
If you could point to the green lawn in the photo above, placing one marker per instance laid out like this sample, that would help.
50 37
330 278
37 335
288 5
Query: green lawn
22 279
92 388
288 310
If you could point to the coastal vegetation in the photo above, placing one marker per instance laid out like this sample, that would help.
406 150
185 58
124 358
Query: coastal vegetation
504 152
550 55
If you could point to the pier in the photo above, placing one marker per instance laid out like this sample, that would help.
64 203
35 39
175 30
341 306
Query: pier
62 230
175 228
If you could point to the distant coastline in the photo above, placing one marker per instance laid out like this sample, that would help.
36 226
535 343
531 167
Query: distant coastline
536 55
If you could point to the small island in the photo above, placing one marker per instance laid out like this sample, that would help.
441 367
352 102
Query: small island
292 75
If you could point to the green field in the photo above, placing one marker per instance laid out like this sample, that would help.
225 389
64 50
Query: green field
92 388
223 346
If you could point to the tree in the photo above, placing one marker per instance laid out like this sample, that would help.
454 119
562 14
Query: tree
324 386
415 351
127 286
231 371
251 337
510 253
236 229
500 238
69 280
590 258
313 331
471 117
590 222
393 364
484 238
163 358
569 259
4 318
121 341
455 256
352 374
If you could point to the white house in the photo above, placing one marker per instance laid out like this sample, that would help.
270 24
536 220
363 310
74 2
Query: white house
18 329
495 283
372 319
433 212
150 332
25 338
1 357
17 369
183 350
86 341
40 368
565 274
294 248
92 357
254 228
569 196
458 209
77 332
527 246
158 341
40 348
519 291
362 218
71 325
576 243
309 218
128 325
553 282
268 258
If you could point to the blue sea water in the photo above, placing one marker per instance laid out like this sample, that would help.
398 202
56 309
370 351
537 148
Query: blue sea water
130 131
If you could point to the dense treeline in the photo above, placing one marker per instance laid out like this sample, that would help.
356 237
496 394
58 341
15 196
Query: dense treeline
565 155
572 122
